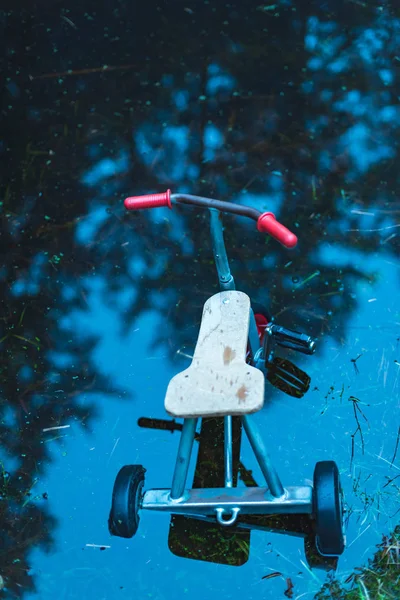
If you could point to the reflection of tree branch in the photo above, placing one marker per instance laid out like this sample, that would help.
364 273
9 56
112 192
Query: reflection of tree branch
356 410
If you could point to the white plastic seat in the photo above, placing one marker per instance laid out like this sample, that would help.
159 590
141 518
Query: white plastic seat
219 381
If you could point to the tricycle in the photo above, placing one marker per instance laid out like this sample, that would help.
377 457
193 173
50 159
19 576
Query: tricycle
233 357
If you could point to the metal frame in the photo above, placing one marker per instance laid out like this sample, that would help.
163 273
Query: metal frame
231 501
225 504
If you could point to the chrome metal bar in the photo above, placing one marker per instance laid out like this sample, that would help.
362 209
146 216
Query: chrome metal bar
228 451
256 441
183 458
251 501
254 338
225 277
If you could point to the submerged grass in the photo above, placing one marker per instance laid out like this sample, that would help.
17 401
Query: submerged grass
378 580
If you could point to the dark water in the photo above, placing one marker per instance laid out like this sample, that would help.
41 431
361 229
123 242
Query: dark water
291 107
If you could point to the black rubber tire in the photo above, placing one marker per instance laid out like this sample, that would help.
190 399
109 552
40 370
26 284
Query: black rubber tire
328 509
126 498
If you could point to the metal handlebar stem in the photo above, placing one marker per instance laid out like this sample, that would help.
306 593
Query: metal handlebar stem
225 277
226 282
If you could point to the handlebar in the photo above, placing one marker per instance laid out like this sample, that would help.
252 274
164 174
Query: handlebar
266 222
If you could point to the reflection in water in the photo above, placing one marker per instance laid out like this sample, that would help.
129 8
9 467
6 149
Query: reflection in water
191 538
294 109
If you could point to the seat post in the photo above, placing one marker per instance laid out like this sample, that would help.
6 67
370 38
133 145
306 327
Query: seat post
183 458
271 476
228 451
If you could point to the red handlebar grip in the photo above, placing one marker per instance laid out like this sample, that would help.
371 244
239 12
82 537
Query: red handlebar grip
148 201
268 224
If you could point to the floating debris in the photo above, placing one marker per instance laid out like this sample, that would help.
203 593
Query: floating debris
379 229
307 279
289 589
359 535
389 238
184 354
266 7
113 450
67 20
362 212
102 69
354 360
58 427
357 409
271 575
396 447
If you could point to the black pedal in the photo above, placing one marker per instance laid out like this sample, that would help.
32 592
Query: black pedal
288 338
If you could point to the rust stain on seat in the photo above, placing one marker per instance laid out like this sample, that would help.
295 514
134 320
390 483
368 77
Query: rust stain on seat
228 355
242 393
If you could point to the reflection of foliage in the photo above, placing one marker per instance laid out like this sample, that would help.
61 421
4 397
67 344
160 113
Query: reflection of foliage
228 112
22 524
379 580
209 541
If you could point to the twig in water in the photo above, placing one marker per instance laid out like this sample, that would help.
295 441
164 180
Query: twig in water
354 360
359 535
380 228
390 237
384 460
356 408
271 575
396 447
289 589
112 451
67 20
103 69
390 481
341 393
59 427
362 212
306 280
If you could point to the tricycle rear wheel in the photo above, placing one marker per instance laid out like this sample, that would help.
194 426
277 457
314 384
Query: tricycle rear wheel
328 509
126 500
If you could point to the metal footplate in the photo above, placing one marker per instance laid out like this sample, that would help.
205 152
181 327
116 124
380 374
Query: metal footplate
291 339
